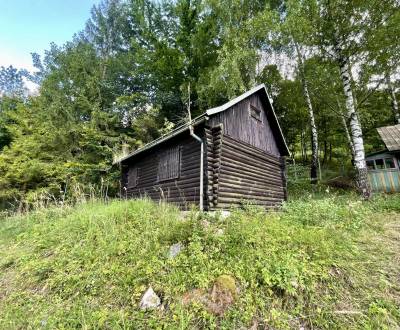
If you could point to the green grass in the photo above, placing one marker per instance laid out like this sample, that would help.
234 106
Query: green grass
324 261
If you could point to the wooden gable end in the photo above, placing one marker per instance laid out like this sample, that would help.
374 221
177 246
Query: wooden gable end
250 121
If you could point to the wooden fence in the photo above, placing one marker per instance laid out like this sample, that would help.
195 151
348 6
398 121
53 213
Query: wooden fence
385 180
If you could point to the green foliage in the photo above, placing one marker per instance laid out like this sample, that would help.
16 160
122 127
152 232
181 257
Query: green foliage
320 262
124 80
11 82
59 139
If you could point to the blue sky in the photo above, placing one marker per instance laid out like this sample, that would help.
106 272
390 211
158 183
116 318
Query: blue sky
30 25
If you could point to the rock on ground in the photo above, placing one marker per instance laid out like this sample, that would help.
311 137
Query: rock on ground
174 250
150 299
222 295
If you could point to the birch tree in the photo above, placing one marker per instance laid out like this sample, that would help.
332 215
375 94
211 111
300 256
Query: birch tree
344 29
313 127
355 124
296 29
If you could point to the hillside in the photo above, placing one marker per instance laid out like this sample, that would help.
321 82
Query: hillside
327 262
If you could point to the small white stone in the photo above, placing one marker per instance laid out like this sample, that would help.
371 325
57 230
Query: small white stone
150 299
219 232
225 214
174 250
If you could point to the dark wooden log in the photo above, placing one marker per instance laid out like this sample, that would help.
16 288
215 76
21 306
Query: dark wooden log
250 190
238 155
237 180
250 174
239 201
273 172
250 150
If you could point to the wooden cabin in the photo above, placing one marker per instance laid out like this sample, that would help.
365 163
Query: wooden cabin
243 159
384 166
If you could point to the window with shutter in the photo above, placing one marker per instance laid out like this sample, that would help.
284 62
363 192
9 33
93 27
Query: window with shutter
133 177
169 164
255 112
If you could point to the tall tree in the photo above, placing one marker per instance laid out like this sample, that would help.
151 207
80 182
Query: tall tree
393 98
11 82
296 30
343 32
244 27
382 66
12 93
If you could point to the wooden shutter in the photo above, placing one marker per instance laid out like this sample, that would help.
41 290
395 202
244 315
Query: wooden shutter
133 177
169 164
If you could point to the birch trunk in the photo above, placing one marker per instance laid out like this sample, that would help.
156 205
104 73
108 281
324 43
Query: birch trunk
395 105
346 130
314 133
355 128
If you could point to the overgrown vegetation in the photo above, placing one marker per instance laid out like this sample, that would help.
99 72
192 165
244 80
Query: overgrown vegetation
330 261
325 260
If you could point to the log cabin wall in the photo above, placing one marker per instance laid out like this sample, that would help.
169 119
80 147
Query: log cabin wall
182 191
239 124
246 173
246 161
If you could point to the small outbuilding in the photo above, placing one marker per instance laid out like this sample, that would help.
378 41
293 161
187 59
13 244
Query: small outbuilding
384 165
230 155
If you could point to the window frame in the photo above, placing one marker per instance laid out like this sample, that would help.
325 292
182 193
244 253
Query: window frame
393 159
170 174
373 164
383 164
257 110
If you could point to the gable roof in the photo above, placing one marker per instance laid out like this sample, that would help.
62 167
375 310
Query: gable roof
211 112
390 136
260 88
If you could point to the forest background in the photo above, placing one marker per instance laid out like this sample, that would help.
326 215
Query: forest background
331 68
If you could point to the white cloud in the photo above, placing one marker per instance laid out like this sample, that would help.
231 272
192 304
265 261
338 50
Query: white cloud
20 61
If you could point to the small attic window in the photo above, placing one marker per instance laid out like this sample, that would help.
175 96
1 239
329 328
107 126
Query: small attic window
255 112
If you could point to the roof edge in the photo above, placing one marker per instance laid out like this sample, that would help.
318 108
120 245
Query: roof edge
163 138
390 136
277 123
204 117
231 103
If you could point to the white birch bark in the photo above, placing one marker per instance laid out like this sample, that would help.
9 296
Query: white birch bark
346 130
314 132
355 127
395 105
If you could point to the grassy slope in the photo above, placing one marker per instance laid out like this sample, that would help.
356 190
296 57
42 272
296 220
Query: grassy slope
326 263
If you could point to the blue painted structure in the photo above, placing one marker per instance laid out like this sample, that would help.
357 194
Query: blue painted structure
384 171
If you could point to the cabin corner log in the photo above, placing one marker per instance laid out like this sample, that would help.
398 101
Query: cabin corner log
214 161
